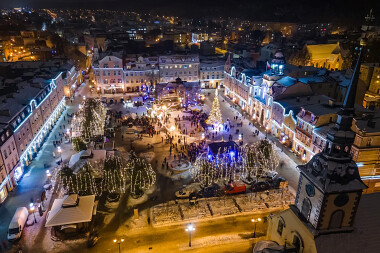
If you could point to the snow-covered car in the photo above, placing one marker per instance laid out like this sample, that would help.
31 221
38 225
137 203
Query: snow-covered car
183 194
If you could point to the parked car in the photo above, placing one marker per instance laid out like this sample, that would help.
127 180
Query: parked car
276 182
211 191
113 197
17 224
261 186
183 194
235 188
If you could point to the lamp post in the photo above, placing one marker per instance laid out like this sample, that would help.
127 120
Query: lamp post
283 143
48 174
255 221
32 208
172 128
59 152
118 242
190 228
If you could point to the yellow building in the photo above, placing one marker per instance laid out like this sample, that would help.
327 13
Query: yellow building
325 56
370 75
366 151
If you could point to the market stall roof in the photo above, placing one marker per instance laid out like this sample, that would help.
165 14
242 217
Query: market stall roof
79 210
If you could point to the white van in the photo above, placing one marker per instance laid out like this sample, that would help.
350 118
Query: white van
17 224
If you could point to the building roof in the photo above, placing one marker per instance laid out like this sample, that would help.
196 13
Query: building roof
287 81
368 126
321 51
72 214
332 175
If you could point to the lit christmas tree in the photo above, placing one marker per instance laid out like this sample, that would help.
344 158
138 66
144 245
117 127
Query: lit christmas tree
211 169
259 159
215 117
89 121
141 175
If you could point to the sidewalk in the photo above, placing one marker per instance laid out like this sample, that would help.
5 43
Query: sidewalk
269 136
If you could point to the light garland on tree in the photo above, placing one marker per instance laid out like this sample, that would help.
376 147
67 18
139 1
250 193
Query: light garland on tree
210 169
215 116
141 175
258 159
89 120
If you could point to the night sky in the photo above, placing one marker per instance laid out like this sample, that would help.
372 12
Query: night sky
263 10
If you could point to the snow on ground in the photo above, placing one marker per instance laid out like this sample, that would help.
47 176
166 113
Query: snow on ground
222 206
164 214
193 212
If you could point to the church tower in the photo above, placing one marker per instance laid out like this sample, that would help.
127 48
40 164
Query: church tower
329 188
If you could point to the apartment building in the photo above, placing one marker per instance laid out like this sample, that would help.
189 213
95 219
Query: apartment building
185 67
211 74
366 150
27 116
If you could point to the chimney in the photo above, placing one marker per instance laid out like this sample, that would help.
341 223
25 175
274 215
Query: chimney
298 99
308 98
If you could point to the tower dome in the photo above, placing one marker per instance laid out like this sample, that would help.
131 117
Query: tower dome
278 63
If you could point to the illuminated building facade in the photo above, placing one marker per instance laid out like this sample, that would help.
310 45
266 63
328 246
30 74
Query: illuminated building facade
365 151
8 160
211 74
26 118
326 56
370 75
185 67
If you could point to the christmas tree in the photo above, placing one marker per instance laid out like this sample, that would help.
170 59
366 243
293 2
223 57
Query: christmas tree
215 117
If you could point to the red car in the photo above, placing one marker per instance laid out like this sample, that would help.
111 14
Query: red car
234 188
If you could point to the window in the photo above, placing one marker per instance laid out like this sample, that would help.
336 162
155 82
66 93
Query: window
336 219
306 208
280 227
297 243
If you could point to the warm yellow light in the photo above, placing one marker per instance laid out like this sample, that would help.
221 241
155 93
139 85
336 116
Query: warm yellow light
114 240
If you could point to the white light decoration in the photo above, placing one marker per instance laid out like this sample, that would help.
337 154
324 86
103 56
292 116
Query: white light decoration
90 119
215 117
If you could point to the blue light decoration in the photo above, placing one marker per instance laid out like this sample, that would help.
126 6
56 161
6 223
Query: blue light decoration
232 154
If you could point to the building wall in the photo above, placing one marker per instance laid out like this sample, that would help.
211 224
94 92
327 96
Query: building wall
292 227
184 67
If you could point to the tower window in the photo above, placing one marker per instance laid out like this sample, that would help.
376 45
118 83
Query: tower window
306 208
336 219
297 243
280 227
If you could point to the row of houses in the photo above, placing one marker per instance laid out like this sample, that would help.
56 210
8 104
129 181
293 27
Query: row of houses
28 113
299 112
113 74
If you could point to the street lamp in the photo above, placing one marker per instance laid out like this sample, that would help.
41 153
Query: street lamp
255 221
118 242
59 152
283 143
32 208
190 228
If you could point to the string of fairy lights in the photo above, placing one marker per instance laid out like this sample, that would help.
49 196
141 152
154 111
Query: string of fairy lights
215 116
249 162
116 176
89 120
